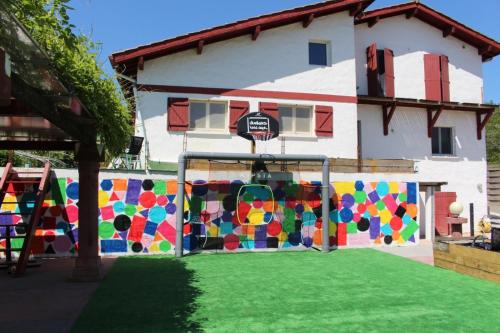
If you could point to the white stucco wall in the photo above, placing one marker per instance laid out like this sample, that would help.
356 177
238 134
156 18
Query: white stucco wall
166 146
410 40
465 172
277 61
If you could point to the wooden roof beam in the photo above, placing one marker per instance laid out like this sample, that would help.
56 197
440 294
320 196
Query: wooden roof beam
199 47
308 20
387 114
432 119
373 21
411 13
356 10
140 63
481 123
256 32
484 50
449 31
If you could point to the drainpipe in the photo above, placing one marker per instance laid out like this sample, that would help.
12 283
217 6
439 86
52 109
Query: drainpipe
325 202
179 222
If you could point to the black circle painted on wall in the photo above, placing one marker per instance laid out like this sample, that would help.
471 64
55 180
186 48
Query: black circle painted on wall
147 185
363 224
122 223
229 203
388 240
137 247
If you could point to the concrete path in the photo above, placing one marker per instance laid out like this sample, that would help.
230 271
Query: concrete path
421 252
43 300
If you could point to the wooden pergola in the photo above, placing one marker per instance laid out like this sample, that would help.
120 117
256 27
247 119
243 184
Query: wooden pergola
38 111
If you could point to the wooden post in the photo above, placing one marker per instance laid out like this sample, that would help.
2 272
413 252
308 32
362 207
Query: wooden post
88 263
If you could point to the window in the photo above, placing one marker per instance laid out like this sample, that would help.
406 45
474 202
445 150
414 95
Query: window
442 141
318 53
380 65
295 120
207 115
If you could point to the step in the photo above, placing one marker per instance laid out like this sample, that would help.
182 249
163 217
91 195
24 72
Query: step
13 237
15 249
23 181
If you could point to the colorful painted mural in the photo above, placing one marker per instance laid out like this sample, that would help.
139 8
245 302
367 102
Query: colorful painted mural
138 216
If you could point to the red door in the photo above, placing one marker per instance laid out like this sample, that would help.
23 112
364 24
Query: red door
442 201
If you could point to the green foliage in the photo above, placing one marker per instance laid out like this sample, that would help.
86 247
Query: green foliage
75 60
493 138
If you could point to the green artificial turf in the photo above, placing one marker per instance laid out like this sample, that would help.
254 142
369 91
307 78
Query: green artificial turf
360 290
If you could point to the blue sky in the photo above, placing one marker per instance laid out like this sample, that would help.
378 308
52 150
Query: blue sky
122 24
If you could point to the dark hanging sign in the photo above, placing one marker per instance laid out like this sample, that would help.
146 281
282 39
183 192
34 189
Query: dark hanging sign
258 126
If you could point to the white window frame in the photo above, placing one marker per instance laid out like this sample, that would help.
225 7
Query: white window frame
452 141
329 58
207 117
294 118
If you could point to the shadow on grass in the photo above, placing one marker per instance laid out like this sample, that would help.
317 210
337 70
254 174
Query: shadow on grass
153 294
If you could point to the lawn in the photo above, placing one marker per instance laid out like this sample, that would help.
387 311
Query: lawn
359 290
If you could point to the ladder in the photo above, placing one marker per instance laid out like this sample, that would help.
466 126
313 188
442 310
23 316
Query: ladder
25 190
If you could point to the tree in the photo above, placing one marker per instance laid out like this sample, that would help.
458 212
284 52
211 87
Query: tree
493 138
74 57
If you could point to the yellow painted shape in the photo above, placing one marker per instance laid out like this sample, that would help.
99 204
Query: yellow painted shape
385 216
393 187
103 198
213 231
344 187
255 216
154 248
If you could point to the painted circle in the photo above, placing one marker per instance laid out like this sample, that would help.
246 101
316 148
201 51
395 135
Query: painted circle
49 236
396 223
62 244
346 215
147 199
356 217
360 196
130 210
137 247
380 205
157 214
361 208
388 240
347 200
72 191
170 208
71 213
299 208
274 228
119 207
165 246
363 224
231 242
258 203
161 200
122 223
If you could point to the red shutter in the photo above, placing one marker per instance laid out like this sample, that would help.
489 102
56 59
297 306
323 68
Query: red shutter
270 109
372 70
442 202
324 121
178 114
389 73
445 79
5 82
432 68
237 109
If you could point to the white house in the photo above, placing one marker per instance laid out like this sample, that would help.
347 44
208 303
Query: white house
397 83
